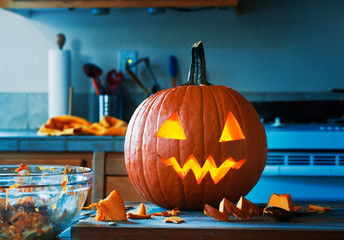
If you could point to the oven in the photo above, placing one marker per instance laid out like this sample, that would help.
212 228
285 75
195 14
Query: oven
305 160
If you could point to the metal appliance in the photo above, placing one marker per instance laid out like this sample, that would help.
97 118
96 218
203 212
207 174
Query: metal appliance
305 160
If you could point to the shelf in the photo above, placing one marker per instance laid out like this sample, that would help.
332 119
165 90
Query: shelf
48 4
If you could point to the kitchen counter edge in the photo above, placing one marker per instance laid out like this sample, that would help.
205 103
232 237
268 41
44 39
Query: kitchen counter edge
29 141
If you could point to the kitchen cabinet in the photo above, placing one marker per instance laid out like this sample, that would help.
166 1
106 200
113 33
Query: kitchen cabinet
32 4
116 177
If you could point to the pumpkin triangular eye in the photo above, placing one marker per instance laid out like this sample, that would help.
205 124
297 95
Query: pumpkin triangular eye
171 128
232 130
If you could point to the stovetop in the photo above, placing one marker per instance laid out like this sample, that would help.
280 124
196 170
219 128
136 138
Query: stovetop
306 127
311 136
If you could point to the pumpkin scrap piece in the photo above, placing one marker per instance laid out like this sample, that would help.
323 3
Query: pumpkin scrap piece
110 209
174 212
141 209
282 201
139 213
174 220
131 215
8 191
244 209
42 168
22 170
64 184
67 169
316 208
214 213
298 208
248 209
21 167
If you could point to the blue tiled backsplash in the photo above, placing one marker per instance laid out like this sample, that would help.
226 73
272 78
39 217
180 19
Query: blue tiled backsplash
27 111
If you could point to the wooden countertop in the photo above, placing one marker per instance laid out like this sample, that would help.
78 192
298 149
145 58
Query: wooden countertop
328 225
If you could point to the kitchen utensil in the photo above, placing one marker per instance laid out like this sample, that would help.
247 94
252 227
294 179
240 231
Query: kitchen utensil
173 70
135 79
113 80
156 87
93 71
41 201
70 103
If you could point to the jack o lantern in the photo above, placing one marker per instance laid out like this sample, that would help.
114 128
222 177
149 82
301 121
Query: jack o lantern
195 144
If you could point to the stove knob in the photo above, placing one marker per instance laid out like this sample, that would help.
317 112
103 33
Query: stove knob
336 128
329 128
322 128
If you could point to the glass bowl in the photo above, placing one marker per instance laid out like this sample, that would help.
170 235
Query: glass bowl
41 201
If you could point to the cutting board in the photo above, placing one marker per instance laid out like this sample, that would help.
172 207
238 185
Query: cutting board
328 225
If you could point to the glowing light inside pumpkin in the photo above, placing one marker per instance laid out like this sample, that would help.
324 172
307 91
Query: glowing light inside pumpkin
232 130
171 128
216 173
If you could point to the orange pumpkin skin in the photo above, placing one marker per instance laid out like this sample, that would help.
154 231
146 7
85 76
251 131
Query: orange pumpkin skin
203 111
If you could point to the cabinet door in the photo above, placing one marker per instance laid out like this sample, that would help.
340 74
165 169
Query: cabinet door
117 178
124 187
115 165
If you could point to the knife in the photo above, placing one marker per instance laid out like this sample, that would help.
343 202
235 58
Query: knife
136 80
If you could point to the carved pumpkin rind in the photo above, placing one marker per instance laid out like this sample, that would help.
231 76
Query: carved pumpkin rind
202 110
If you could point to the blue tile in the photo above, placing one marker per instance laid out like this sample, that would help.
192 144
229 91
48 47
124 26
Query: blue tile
37 109
13 111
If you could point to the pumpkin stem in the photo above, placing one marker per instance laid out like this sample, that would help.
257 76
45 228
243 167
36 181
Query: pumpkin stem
197 73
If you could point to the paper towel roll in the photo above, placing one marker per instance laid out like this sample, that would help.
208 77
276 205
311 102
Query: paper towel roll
59 82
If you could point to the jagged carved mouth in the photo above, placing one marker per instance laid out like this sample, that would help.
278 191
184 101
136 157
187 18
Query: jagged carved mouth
216 173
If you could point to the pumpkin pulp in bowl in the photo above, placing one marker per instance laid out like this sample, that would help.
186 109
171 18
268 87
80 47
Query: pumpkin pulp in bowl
39 202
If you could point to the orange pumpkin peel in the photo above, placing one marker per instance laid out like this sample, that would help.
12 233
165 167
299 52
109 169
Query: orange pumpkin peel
174 212
110 209
131 215
244 209
139 213
21 167
317 208
282 201
174 220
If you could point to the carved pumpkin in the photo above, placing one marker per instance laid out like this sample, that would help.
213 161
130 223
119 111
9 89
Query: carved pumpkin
195 144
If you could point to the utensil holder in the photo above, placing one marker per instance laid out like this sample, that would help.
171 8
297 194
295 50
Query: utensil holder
109 105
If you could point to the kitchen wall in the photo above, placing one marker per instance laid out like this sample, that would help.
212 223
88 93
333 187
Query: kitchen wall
279 50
